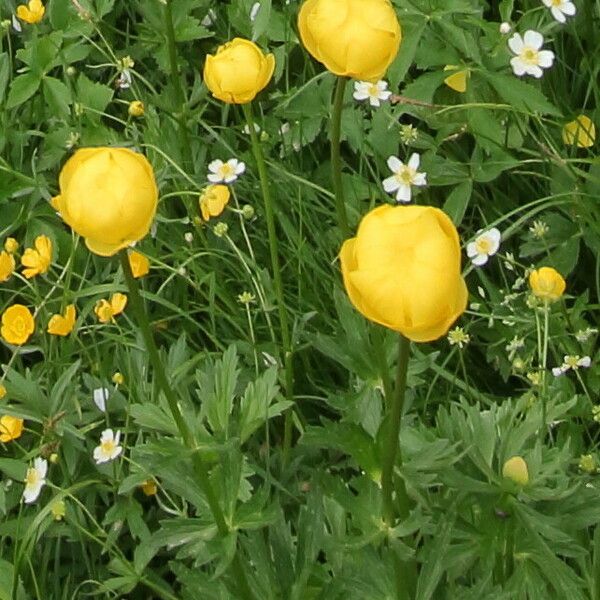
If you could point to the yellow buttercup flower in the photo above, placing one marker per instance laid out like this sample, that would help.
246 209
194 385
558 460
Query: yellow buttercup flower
238 71
213 201
516 470
149 487
31 13
118 378
547 283
11 245
352 38
11 428
63 324
37 261
136 108
139 264
108 196
106 310
7 265
402 270
17 324
458 80
581 131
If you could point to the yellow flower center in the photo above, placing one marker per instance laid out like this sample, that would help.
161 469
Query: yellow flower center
483 246
32 477
373 90
19 326
226 171
530 56
572 361
108 446
405 175
557 2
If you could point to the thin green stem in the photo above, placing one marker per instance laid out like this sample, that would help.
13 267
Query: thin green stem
175 77
336 160
275 266
200 470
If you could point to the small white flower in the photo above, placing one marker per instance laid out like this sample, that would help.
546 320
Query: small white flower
100 396
529 59
225 172
124 80
557 371
573 362
188 236
16 25
374 92
246 129
561 9
404 176
109 447
505 28
209 18
485 245
35 479
583 335
254 11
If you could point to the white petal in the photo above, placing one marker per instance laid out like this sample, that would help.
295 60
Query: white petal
471 249
569 8
420 179
215 178
557 14
479 260
118 438
557 371
414 161
373 101
394 163
534 39
586 361
240 167
546 58
254 11
107 435
515 43
116 452
230 179
215 165
518 66
41 466
361 86
547 3
31 492
404 193
100 396
385 95
391 184
360 95
535 71
99 455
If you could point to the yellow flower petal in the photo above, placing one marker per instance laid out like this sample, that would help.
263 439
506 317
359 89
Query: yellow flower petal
17 325
581 132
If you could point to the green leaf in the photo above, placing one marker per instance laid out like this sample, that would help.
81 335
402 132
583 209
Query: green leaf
93 95
23 87
57 95
457 202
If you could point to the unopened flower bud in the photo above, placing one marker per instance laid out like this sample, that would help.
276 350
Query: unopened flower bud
516 470
248 212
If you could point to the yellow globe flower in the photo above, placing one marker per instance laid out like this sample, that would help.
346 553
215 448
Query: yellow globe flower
17 324
63 324
402 270
238 71
108 196
458 80
149 487
581 132
213 201
11 245
11 428
7 266
547 283
37 261
139 264
352 38
516 470
136 108
106 310
31 13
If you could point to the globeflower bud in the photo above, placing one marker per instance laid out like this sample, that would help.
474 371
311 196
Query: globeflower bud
248 212
516 470
547 283
136 108
108 196
505 28
238 71
352 38
402 270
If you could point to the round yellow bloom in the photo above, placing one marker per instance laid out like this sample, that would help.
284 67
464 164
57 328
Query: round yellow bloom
352 38
11 428
458 80
547 283
139 264
402 270
7 265
37 261
11 245
213 200
136 108
516 470
238 71
17 324
108 196
63 324
581 131
149 487
31 13
106 310
118 378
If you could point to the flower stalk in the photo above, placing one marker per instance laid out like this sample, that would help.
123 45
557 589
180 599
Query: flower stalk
276 268
336 160
200 470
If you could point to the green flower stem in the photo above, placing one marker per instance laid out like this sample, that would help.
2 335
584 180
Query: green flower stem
200 470
336 160
275 265
405 572
175 77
